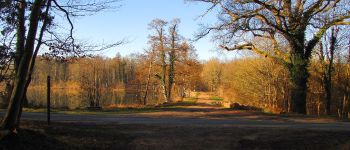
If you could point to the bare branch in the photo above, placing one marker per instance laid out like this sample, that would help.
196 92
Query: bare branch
312 43
69 20
251 47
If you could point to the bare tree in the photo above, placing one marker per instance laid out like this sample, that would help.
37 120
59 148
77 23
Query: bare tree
174 38
159 40
326 55
280 22
29 32
167 45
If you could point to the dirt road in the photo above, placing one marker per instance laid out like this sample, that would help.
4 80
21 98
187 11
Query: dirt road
186 127
202 113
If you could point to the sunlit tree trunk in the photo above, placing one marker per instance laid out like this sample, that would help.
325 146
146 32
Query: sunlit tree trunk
148 81
172 58
158 25
164 66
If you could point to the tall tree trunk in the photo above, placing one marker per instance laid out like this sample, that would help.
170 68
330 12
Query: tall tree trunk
32 63
172 58
328 92
328 72
164 65
345 104
171 80
148 81
20 40
299 75
158 25
10 119
20 33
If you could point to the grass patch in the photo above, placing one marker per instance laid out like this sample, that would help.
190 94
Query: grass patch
181 104
216 98
190 99
105 111
110 111
119 109
42 110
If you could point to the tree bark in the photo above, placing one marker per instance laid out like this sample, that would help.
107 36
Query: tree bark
328 72
32 63
10 119
345 104
148 81
299 75
164 66
171 73
20 33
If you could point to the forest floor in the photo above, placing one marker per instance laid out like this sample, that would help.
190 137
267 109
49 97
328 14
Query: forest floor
193 124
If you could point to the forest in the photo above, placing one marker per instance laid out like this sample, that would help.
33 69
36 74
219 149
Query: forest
94 80
289 74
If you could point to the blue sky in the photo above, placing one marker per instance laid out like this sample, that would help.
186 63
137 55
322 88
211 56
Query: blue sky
131 21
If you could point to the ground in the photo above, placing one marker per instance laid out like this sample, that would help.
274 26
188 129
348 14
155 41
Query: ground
197 124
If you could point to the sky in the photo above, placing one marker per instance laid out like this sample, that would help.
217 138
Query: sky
131 20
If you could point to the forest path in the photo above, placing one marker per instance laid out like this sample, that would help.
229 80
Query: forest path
205 98
202 102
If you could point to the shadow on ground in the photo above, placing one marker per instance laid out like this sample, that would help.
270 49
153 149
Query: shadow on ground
180 126
75 135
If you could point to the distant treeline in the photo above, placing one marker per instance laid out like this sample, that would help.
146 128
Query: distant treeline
251 81
93 78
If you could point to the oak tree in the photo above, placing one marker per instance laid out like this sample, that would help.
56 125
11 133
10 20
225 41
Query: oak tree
282 22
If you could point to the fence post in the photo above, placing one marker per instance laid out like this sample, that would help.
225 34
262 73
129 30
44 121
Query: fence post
48 99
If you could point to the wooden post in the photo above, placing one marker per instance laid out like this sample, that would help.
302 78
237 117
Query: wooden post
48 100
